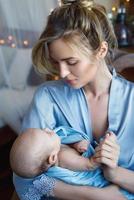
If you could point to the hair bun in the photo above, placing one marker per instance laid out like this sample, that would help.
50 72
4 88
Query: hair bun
85 3
64 2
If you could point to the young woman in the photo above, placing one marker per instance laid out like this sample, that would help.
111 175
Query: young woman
77 45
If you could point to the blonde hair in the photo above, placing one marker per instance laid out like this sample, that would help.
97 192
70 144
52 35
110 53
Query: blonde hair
74 18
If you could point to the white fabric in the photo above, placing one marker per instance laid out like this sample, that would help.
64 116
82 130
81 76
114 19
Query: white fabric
26 14
13 106
4 78
20 68
6 56
21 20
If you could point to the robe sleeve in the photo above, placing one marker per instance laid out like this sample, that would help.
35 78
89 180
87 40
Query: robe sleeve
41 111
40 187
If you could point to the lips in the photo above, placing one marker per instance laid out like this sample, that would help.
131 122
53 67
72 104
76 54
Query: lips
71 82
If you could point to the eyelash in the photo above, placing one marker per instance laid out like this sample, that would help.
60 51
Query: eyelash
72 63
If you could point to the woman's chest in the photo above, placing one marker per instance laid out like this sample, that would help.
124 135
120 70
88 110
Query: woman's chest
98 110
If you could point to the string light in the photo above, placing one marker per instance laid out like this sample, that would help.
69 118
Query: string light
13 45
18 38
12 42
113 8
25 42
2 41
10 37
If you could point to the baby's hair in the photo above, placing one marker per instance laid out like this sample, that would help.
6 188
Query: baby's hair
83 19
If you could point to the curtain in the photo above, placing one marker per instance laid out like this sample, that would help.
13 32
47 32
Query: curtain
21 23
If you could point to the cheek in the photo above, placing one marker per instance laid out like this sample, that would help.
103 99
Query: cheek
92 71
87 70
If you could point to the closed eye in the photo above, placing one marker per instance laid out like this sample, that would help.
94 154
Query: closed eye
72 62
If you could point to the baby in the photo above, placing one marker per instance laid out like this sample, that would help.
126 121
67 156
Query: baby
36 150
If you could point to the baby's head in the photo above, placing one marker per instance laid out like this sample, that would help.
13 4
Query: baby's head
34 151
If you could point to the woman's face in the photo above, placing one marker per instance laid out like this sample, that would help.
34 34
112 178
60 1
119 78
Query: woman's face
74 67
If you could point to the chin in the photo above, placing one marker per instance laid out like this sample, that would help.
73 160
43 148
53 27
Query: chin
76 86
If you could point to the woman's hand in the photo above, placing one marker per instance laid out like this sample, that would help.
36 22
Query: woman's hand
107 153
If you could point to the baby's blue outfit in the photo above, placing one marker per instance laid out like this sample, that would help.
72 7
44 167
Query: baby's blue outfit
91 178
56 104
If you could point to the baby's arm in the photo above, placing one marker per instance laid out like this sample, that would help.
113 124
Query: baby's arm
71 159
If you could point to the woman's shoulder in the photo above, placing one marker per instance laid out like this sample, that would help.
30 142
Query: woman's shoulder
57 87
51 85
124 87
53 90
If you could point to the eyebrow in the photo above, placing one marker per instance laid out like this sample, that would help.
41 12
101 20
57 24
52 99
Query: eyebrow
63 59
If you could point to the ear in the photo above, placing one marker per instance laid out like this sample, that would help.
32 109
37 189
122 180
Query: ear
103 50
52 158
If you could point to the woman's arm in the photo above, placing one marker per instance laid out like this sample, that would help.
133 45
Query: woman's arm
69 192
120 176
48 186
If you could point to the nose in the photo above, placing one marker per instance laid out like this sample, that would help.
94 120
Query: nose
64 70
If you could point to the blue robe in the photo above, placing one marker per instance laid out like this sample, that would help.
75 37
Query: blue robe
56 103
89 177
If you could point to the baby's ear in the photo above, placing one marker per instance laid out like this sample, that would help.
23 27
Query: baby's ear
52 158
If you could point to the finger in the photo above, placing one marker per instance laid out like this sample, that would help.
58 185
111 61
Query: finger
109 162
106 154
111 136
107 140
101 155
82 150
107 147
84 144
103 147
110 143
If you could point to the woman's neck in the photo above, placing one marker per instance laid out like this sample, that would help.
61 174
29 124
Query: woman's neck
101 83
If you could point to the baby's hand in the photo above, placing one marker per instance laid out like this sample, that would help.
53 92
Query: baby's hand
81 146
